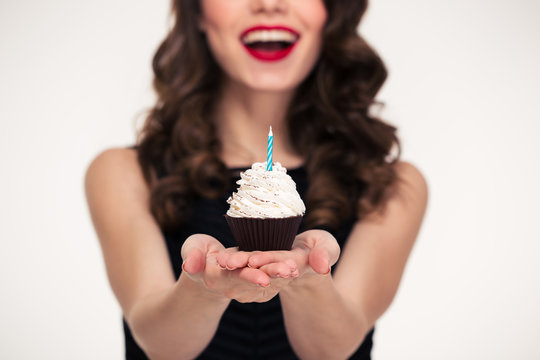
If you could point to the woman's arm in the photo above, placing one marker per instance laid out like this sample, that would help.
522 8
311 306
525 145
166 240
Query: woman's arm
163 314
168 318
327 317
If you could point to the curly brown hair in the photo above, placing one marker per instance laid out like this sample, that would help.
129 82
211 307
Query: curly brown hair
345 148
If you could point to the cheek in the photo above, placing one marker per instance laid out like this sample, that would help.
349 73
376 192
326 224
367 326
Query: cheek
218 18
217 15
313 13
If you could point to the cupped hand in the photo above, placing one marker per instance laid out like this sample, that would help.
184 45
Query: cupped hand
313 252
280 273
232 280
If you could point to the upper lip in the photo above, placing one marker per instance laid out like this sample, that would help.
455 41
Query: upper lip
268 28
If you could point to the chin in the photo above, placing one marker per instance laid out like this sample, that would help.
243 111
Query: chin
273 88
273 83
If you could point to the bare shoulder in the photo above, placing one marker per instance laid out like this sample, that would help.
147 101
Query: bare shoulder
115 186
111 162
114 168
411 184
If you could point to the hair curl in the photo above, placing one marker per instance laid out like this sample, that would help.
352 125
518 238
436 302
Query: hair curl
344 147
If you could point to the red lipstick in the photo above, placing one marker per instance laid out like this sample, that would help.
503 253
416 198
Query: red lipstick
270 53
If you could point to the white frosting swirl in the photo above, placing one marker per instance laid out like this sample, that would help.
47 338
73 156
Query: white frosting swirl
266 194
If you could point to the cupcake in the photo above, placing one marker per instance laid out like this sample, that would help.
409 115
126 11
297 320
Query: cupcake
266 210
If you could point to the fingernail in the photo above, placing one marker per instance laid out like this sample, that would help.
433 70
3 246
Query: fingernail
328 271
219 265
184 265
263 285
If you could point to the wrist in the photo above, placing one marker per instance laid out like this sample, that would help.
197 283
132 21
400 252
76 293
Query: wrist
198 290
308 284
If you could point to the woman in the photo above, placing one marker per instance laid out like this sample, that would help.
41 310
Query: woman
225 72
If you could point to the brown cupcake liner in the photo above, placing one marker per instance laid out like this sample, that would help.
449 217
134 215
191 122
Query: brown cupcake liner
264 234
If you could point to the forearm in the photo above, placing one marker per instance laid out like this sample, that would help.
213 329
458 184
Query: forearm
320 323
178 323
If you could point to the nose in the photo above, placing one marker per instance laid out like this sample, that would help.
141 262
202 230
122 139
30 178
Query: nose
269 6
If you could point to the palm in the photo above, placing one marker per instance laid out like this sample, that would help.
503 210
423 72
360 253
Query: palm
313 252
201 254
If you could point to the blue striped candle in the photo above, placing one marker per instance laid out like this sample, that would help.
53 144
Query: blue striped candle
269 150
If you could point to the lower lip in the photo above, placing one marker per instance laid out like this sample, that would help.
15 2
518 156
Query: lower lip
270 55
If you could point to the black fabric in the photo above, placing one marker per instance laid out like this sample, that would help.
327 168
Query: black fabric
246 331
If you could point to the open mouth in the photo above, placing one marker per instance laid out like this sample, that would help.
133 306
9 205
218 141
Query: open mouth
269 44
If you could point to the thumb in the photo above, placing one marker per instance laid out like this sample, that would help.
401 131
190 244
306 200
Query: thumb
195 262
194 252
319 260
323 249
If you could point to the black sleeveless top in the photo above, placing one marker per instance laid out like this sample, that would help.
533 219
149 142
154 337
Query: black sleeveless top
251 330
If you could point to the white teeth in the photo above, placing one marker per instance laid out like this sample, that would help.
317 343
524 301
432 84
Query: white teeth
269 35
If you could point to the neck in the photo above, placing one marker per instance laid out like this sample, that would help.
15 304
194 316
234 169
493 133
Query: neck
243 117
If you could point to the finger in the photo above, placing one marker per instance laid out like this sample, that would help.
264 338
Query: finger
194 251
319 260
221 259
204 243
312 239
195 262
237 260
279 270
254 276
232 259
267 257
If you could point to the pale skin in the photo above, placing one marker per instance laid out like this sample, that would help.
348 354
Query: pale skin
326 315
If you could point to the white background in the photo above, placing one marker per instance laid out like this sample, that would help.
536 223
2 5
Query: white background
464 89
